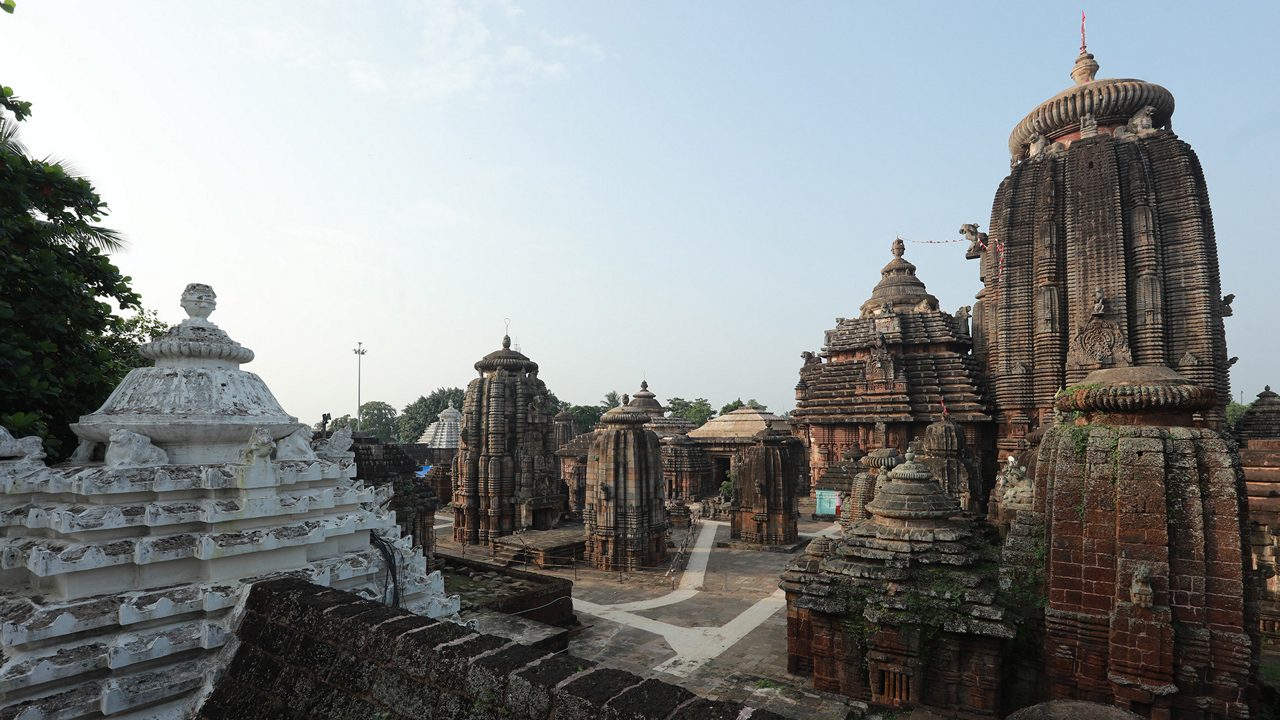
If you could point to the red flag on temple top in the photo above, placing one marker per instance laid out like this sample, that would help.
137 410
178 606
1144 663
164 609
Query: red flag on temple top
1082 43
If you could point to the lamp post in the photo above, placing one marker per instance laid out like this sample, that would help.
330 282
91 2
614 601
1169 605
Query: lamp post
359 351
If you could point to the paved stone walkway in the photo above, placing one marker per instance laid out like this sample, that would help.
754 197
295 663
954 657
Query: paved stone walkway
693 646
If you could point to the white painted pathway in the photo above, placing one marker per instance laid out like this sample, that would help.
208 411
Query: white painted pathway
695 646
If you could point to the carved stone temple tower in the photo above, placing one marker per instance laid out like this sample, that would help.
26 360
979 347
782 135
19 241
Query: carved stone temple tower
624 515
1101 253
120 571
506 470
882 377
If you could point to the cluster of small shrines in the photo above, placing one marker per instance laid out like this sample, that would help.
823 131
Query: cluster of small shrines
1037 495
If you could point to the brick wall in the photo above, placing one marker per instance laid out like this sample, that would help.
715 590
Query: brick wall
308 651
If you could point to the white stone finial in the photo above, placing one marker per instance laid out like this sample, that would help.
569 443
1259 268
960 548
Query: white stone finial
199 300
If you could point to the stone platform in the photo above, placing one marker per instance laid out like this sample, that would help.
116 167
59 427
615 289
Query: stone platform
559 547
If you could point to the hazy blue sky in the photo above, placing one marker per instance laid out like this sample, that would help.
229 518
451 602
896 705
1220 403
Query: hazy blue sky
691 191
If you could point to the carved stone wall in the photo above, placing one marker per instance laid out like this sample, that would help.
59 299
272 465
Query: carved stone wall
1259 435
764 487
1150 606
686 469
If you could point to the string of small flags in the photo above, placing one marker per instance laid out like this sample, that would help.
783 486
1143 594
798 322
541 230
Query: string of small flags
996 246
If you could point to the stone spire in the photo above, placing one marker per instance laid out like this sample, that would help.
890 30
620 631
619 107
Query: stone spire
899 289
647 401
195 402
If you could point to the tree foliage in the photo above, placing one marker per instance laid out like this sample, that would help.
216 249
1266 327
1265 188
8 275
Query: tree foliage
752 403
611 400
697 411
1235 411
585 417
420 413
56 290
131 332
379 420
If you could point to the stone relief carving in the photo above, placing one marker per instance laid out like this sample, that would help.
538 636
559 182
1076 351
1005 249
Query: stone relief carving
962 319
260 447
1142 123
1100 343
296 446
1099 303
1013 487
1088 126
130 450
810 358
977 240
1140 593
1225 306
1036 145
29 448
338 444
199 301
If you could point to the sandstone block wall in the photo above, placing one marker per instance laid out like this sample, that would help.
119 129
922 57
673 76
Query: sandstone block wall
307 651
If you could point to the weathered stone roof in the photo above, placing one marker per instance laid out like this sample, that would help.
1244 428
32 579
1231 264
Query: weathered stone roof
1262 420
443 433
743 423
835 392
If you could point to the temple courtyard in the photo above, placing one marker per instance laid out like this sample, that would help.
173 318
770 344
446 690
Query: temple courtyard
717 627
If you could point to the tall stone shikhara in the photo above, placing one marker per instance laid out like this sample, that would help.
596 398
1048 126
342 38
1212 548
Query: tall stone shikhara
120 570
506 477
624 515
1101 253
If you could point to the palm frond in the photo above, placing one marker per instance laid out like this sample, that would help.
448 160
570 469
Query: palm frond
9 136
104 239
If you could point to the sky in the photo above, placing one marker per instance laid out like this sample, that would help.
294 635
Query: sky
685 192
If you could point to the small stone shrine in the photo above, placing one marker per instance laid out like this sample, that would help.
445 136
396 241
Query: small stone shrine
883 377
505 471
624 516
767 476
902 610
1259 435
686 470
121 568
